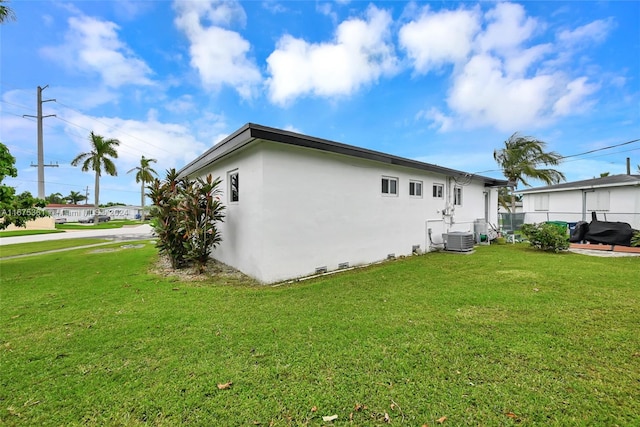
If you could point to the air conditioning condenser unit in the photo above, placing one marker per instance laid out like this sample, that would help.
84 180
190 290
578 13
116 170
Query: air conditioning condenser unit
459 241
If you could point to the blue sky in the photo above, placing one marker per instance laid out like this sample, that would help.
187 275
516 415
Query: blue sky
441 82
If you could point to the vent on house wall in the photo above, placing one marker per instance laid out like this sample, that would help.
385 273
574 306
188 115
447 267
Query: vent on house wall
415 249
391 256
343 265
321 270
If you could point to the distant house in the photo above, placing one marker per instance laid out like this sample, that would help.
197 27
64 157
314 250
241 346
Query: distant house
612 198
297 205
74 213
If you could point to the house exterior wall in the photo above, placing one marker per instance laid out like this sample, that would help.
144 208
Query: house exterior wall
242 229
301 209
610 204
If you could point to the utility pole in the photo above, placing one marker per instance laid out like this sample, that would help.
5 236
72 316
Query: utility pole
86 195
41 164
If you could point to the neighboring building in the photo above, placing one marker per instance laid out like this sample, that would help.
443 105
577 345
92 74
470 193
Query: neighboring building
297 205
74 213
612 198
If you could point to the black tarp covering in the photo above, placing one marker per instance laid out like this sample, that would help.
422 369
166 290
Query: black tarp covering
608 233
578 233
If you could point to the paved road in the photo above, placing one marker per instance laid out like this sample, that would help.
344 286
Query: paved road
124 233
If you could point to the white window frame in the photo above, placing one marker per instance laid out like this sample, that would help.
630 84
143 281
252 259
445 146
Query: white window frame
413 186
389 180
233 190
438 189
457 196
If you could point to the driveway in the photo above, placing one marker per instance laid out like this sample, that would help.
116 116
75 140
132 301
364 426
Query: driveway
125 233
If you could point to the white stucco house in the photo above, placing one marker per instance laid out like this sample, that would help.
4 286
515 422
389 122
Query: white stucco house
612 198
298 205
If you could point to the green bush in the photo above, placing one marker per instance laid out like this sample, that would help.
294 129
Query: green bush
185 216
546 236
635 239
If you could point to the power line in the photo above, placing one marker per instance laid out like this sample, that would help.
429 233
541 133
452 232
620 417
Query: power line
601 149
112 127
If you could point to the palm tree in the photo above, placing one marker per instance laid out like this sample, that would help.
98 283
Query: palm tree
6 13
144 175
520 160
74 197
98 159
55 199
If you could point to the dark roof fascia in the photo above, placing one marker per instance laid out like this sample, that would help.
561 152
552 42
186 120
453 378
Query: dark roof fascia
622 180
255 131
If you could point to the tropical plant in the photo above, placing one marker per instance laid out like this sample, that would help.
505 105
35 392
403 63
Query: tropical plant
20 208
504 197
145 174
604 174
185 216
6 13
74 197
201 210
98 160
55 198
547 236
635 239
520 160
166 196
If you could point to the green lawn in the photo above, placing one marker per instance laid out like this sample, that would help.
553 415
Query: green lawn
35 247
505 336
14 233
116 223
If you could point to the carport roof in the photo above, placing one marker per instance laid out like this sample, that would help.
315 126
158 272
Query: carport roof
603 182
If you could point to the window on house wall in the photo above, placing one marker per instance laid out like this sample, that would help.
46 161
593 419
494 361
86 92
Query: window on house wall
541 202
438 191
457 196
598 201
415 188
389 186
234 186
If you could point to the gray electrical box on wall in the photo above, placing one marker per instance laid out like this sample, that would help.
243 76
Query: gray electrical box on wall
459 241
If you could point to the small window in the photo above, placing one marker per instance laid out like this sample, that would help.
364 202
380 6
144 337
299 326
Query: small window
438 191
234 187
541 202
389 185
415 188
457 196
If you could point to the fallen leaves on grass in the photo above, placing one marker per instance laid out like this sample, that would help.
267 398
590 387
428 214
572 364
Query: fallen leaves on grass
329 418
314 409
225 386
387 418
441 420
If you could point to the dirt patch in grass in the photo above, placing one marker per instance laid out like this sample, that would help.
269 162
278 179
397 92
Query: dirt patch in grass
214 270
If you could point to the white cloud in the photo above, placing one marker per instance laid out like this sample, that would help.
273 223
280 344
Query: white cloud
435 39
360 53
93 45
219 54
573 99
483 95
172 144
508 28
500 78
596 31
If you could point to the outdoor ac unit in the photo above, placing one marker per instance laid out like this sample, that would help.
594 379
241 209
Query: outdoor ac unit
459 241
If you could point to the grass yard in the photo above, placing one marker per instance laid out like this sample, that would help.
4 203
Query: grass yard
505 336
14 233
50 245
